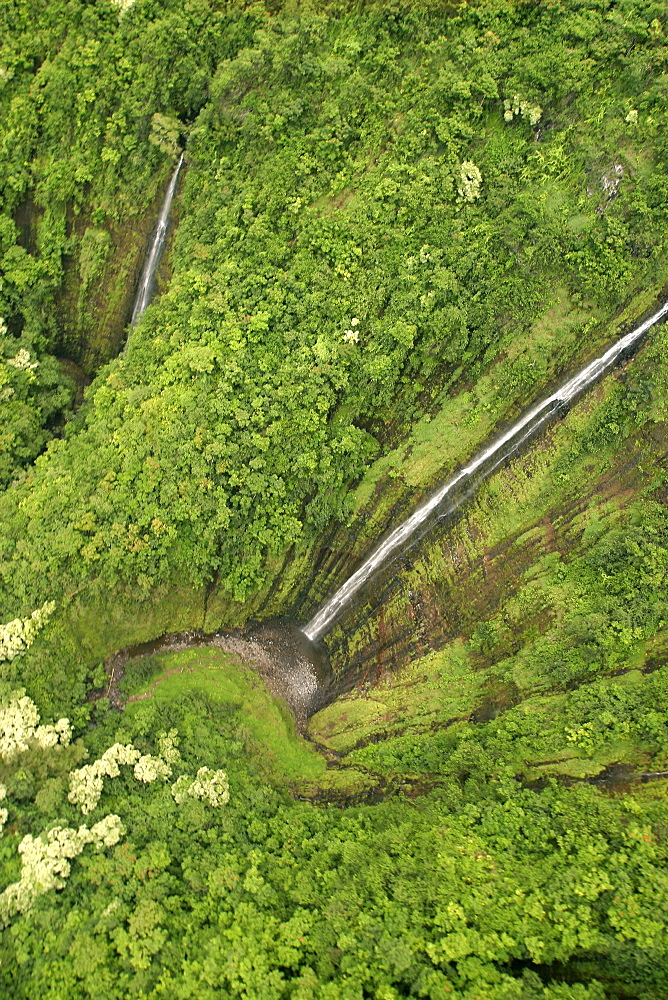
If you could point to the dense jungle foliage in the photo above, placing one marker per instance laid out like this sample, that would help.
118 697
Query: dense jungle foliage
398 224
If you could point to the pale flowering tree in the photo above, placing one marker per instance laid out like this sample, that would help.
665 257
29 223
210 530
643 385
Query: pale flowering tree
3 812
51 735
119 753
18 635
20 729
86 787
123 5
352 335
519 108
86 782
470 181
209 786
45 861
18 720
148 769
22 361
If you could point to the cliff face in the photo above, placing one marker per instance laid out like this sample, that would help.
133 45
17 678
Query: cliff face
460 571
98 273
100 278
466 570
534 606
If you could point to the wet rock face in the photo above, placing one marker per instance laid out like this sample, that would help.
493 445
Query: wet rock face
294 668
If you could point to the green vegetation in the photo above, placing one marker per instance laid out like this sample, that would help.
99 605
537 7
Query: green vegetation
547 599
479 889
398 224
268 726
323 186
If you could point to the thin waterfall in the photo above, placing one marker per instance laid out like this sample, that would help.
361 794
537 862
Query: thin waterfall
146 285
446 499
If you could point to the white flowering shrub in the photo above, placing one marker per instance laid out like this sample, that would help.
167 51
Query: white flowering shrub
86 782
22 361
20 729
352 335
148 769
18 635
3 812
632 117
470 181
518 108
209 786
45 861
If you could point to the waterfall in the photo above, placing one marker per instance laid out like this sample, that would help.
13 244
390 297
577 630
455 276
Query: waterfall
145 290
455 490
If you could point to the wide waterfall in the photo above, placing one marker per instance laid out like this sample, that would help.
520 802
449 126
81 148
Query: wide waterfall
146 285
446 499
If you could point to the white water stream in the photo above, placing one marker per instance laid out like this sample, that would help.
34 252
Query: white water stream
450 495
145 290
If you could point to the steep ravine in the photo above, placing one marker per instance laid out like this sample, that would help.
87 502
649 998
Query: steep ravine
94 305
427 594
469 567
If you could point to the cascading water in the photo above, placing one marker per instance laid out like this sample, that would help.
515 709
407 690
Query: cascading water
445 500
146 285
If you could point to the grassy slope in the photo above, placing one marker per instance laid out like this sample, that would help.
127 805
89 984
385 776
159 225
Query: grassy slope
274 742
